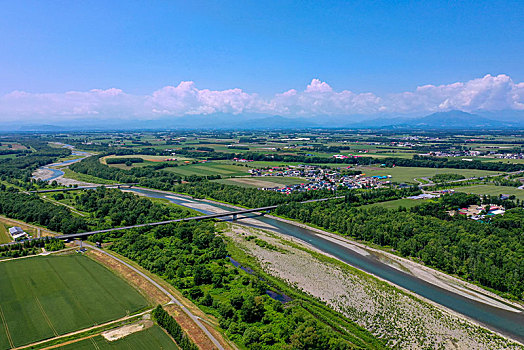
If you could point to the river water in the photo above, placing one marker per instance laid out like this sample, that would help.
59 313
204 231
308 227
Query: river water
55 173
506 322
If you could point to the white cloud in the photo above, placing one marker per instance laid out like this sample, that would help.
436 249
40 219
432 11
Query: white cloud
318 98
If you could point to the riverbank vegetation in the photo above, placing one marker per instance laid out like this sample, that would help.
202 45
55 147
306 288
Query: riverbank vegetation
488 254
193 258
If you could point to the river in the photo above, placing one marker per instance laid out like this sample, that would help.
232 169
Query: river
51 170
509 323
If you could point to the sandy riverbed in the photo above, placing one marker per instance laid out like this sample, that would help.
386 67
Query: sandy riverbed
405 321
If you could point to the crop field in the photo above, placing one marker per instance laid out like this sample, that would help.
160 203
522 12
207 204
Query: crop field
149 339
491 190
4 234
42 297
205 169
408 174
394 204
262 181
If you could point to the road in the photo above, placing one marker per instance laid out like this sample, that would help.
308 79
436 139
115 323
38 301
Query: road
172 299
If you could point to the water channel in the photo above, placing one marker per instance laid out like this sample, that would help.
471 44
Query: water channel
503 321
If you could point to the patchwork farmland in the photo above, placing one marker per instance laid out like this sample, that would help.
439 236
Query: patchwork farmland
44 297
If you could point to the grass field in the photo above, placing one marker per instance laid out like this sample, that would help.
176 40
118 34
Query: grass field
150 339
408 174
42 297
394 204
491 190
148 160
4 234
70 174
205 169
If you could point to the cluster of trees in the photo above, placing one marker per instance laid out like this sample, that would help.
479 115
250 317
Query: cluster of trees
489 254
30 247
447 177
192 257
31 208
124 160
173 328
113 207
146 176
4 152
357 198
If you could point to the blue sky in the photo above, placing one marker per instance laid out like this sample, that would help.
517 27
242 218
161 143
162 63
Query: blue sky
261 47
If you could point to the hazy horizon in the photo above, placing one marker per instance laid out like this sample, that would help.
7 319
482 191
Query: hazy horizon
74 61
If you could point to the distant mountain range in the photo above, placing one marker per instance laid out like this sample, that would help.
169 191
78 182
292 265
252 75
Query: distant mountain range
441 121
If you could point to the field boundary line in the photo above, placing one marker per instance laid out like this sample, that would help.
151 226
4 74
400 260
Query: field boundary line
115 322
94 343
4 321
45 316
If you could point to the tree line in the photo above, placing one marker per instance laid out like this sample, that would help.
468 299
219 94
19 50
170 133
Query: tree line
486 253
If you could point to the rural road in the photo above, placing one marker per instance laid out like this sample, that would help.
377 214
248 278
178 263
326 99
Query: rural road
173 300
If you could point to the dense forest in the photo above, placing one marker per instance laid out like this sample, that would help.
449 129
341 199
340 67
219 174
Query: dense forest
486 253
192 257
31 208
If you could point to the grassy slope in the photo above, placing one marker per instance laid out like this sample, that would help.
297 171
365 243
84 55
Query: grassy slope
44 296
4 234
68 173
151 338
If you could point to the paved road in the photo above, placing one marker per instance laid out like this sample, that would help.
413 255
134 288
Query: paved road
173 300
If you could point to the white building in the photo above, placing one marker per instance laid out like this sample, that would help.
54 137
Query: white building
17 233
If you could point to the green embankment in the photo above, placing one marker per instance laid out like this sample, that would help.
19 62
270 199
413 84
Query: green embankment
4 234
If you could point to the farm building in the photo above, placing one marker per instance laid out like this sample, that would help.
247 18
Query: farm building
17 233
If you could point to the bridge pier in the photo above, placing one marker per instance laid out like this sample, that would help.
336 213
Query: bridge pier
234 217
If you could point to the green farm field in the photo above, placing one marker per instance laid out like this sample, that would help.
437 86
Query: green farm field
408 174
205 169
394 204
4 234
491 190
42 297
149 339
